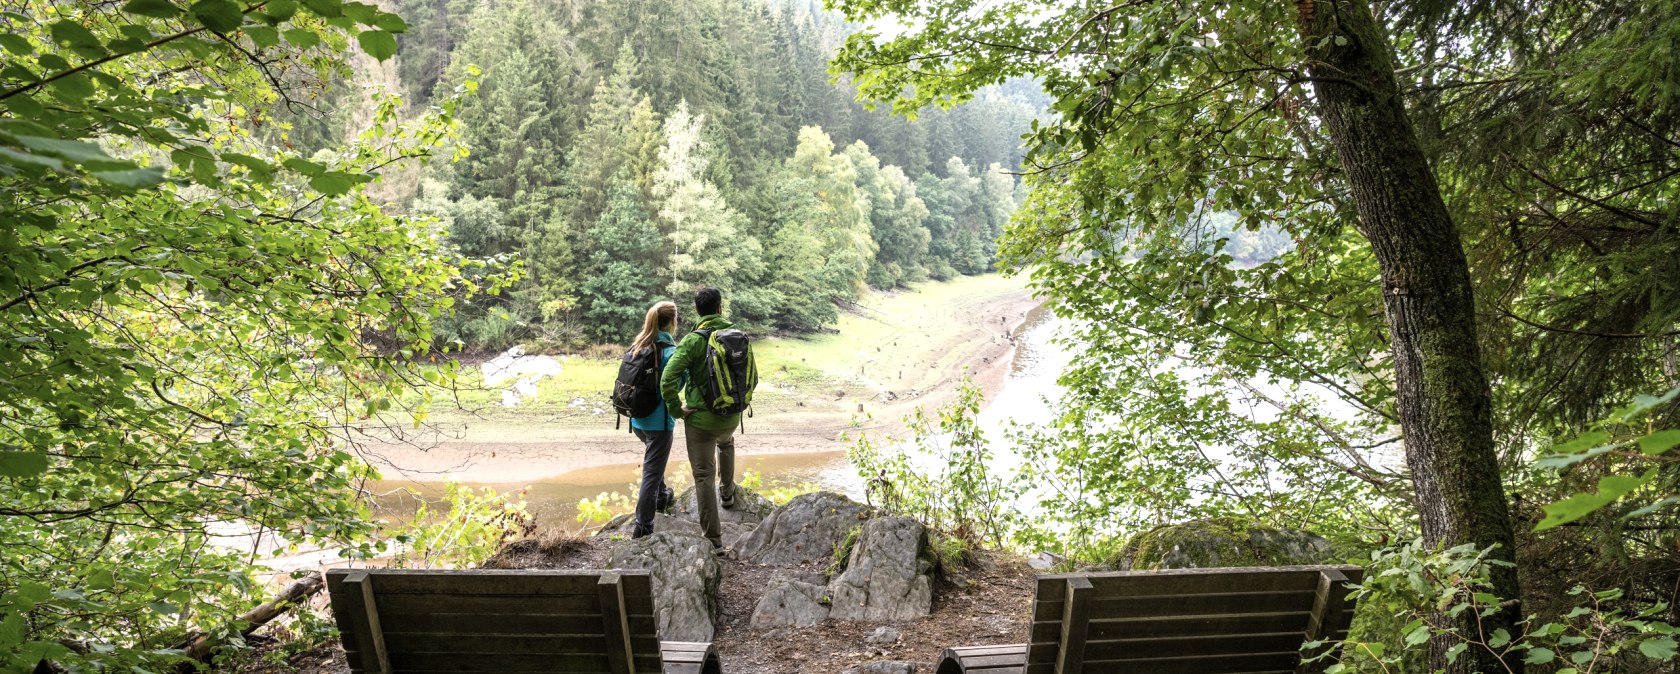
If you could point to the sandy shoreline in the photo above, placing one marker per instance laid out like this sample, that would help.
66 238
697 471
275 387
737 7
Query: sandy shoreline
917 354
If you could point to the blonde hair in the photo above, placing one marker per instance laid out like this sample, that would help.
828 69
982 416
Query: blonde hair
661 315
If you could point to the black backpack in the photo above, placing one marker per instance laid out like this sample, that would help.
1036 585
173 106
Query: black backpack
636 391
731 374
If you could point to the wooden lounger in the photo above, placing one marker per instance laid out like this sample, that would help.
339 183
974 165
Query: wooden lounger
1178 621
595 622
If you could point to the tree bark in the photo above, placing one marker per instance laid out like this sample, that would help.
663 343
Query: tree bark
1444 403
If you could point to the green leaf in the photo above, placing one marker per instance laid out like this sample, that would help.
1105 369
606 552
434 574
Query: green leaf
133 178
390 23
100 579
163 607
1417 635
378 44
16 158
334 183
1660 441
1539 656
1642 404
73 34
1610 488
1661 648
281 10
22 464
304 166
325 8
221 16
257 166
263 36
302 38
16 44
161 9
74 88
1582 442
74 150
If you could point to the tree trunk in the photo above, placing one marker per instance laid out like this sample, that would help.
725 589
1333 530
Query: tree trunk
1443 397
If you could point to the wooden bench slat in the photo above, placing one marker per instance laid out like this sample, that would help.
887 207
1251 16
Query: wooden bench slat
512 624
485 582
1213 664
490 605
1211 604
1228 644
500 662
1169 626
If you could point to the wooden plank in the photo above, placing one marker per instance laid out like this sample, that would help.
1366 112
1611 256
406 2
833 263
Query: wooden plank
1329 615
485 582
533 644
557 604
1178 626
1213 664
1226 644
358 591
463 624
1209 581
1005 649
1209 604
1076 613
344 607
613 624
499 662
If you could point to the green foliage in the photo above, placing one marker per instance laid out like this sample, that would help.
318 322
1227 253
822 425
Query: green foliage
1414 587
576 99
194 319
941 476
474 527
1622 442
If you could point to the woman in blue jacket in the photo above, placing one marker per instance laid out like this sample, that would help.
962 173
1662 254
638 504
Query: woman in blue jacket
656 428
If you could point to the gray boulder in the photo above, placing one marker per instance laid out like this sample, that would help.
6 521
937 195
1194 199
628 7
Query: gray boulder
685 581
1219 542
884 635
622 526
883 667
750 509
889 576
801 601
804 530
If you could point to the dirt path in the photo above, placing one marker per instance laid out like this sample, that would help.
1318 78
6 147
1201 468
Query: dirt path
891 354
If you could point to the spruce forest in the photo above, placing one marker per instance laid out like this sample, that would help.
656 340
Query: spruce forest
706 140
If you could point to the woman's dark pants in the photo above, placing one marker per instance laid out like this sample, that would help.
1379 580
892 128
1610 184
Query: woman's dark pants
658 444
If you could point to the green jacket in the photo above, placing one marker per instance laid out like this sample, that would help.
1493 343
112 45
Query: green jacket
690 358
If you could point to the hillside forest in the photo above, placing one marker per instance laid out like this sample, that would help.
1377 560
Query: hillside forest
705 141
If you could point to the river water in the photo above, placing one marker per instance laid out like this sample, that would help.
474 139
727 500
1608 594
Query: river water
554 501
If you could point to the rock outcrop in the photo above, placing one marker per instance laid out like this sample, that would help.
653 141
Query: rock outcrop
805 530
889 575
800 601
622 526
750 508
1219 542
685 581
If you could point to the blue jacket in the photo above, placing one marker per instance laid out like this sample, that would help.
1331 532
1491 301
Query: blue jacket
658 420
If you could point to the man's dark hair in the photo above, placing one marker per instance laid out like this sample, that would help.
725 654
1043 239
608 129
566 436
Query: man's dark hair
708 301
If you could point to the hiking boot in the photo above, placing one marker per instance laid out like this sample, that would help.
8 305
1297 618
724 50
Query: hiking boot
727 499
664 500
639 532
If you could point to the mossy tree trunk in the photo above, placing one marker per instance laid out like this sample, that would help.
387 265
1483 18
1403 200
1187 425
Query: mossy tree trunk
1444 403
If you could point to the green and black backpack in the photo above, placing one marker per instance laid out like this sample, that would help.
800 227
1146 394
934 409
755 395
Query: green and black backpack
731 375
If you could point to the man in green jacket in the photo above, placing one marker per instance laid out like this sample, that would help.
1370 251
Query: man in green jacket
710 437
